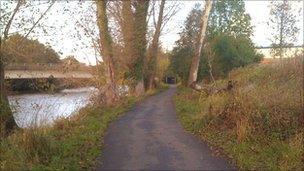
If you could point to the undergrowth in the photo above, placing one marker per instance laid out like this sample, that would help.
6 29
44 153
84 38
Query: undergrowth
259 124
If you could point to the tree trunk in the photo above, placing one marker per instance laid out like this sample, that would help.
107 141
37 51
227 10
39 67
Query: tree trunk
6 116
111 94
128 33
141 12
152 57
281 38
199 44
7 120
301 118
128 30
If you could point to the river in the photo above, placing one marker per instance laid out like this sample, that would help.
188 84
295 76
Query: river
43 109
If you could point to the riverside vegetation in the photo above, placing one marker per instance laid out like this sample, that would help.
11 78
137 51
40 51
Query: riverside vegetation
259 124
70 144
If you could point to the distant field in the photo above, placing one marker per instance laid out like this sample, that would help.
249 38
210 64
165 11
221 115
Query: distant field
290 51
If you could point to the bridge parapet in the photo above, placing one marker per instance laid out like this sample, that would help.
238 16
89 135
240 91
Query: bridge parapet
31 74
47 67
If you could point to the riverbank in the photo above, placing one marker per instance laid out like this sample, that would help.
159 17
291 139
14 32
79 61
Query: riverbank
45 85
259 125
43 108
70 144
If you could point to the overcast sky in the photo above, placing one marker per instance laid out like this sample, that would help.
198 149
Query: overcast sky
258 10
67 45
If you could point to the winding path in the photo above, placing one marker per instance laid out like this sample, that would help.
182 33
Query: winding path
149 137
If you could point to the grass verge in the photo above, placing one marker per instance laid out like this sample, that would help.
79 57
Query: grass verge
70 144
258 125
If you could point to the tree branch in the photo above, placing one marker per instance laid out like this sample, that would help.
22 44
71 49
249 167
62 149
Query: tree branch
42 15
8 25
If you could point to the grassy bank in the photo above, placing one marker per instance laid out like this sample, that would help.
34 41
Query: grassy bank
258 124
71 144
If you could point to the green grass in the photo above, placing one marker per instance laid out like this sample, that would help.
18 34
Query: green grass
71 144
258 125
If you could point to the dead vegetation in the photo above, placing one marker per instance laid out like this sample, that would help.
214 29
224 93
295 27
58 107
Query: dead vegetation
259 122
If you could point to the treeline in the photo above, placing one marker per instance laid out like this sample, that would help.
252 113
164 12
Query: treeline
227 44
19 49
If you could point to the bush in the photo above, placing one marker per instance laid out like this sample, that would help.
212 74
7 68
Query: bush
231 52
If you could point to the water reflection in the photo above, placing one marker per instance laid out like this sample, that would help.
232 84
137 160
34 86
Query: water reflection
41 109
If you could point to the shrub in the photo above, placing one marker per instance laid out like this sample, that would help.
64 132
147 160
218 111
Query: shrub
231 52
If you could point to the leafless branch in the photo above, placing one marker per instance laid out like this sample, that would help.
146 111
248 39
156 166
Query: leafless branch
9 23
42 15
170 12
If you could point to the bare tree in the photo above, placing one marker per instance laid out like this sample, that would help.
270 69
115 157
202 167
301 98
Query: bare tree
199 43
210 58
152 53
165 12
6 116
126 14
110 91
128 32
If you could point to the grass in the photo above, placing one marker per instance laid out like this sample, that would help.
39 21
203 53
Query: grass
258 125
70 144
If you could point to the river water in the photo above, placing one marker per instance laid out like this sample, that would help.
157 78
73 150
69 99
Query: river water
42 109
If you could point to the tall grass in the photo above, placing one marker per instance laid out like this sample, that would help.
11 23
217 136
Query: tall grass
258 124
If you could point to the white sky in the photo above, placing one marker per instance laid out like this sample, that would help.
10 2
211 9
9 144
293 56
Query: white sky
258 10
63 42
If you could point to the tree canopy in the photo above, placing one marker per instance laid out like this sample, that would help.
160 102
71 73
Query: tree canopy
18 49
229 17
228 44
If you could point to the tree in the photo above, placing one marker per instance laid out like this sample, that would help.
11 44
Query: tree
128 28
152 53
7 120
231 52
282 22
127 21
8 16
229 17
184 50
191 28
221 53
198 48
163 62
110 91
136 40
141 12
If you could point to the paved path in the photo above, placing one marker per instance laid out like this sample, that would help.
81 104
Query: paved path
149 137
